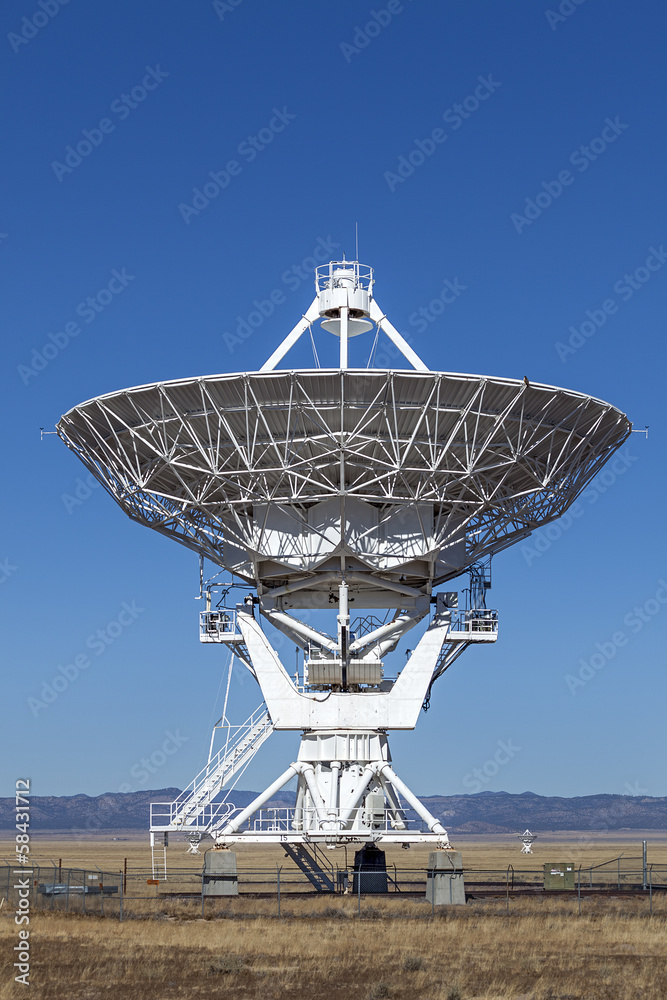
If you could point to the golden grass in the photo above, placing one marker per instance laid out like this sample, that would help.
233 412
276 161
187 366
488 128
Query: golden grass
478 852
320 948
614 951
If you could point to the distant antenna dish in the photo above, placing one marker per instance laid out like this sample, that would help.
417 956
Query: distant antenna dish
527 840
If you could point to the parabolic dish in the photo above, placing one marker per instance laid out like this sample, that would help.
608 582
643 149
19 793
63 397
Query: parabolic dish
403 478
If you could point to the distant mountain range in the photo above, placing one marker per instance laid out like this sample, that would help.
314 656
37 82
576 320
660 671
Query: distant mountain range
500 812
110 811
483 812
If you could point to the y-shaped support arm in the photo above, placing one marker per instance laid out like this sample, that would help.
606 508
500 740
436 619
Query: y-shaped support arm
434 825
290 340
379 317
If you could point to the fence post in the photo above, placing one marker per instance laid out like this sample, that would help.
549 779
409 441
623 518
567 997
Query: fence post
125 875
507 892
650 891
120 912
579 889
84 891
644 864
69 875
278 885
619 873
359 891
202 894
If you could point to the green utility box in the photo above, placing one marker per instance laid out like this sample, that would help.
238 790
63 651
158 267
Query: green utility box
559 876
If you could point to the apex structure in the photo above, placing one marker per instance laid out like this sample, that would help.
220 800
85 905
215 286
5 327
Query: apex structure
361 492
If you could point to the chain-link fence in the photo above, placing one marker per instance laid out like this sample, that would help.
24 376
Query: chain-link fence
135 892
80 890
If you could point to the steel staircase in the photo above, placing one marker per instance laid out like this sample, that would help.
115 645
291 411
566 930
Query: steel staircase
189 809
312 863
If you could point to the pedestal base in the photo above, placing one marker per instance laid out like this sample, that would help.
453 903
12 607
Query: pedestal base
220 876
347 791
444 882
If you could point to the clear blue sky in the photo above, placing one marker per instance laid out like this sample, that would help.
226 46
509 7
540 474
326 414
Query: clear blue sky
171 93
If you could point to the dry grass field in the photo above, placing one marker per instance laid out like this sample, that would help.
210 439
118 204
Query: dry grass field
542 951
482 852
613 951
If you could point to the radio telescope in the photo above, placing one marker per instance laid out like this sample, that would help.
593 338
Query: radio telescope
331 489
527 840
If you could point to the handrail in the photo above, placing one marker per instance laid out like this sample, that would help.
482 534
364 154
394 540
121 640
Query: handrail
229 750
219 622
477 619
363 274
276 819
162 814
195 801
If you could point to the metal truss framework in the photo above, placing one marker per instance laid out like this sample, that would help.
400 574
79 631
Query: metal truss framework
246 469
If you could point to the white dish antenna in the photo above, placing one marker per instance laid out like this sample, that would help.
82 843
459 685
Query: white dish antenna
341 489
527 840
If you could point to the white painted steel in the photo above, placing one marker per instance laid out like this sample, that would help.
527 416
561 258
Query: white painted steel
380 318
383 839
397 812
434 825
237 822
279 619
355 328
343 336
402 623
290 340
355 797
195 809
333 486
439 471
293 709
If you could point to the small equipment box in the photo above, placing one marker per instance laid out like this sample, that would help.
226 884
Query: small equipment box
559 876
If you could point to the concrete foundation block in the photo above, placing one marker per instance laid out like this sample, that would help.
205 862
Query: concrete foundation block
220 876
444 882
